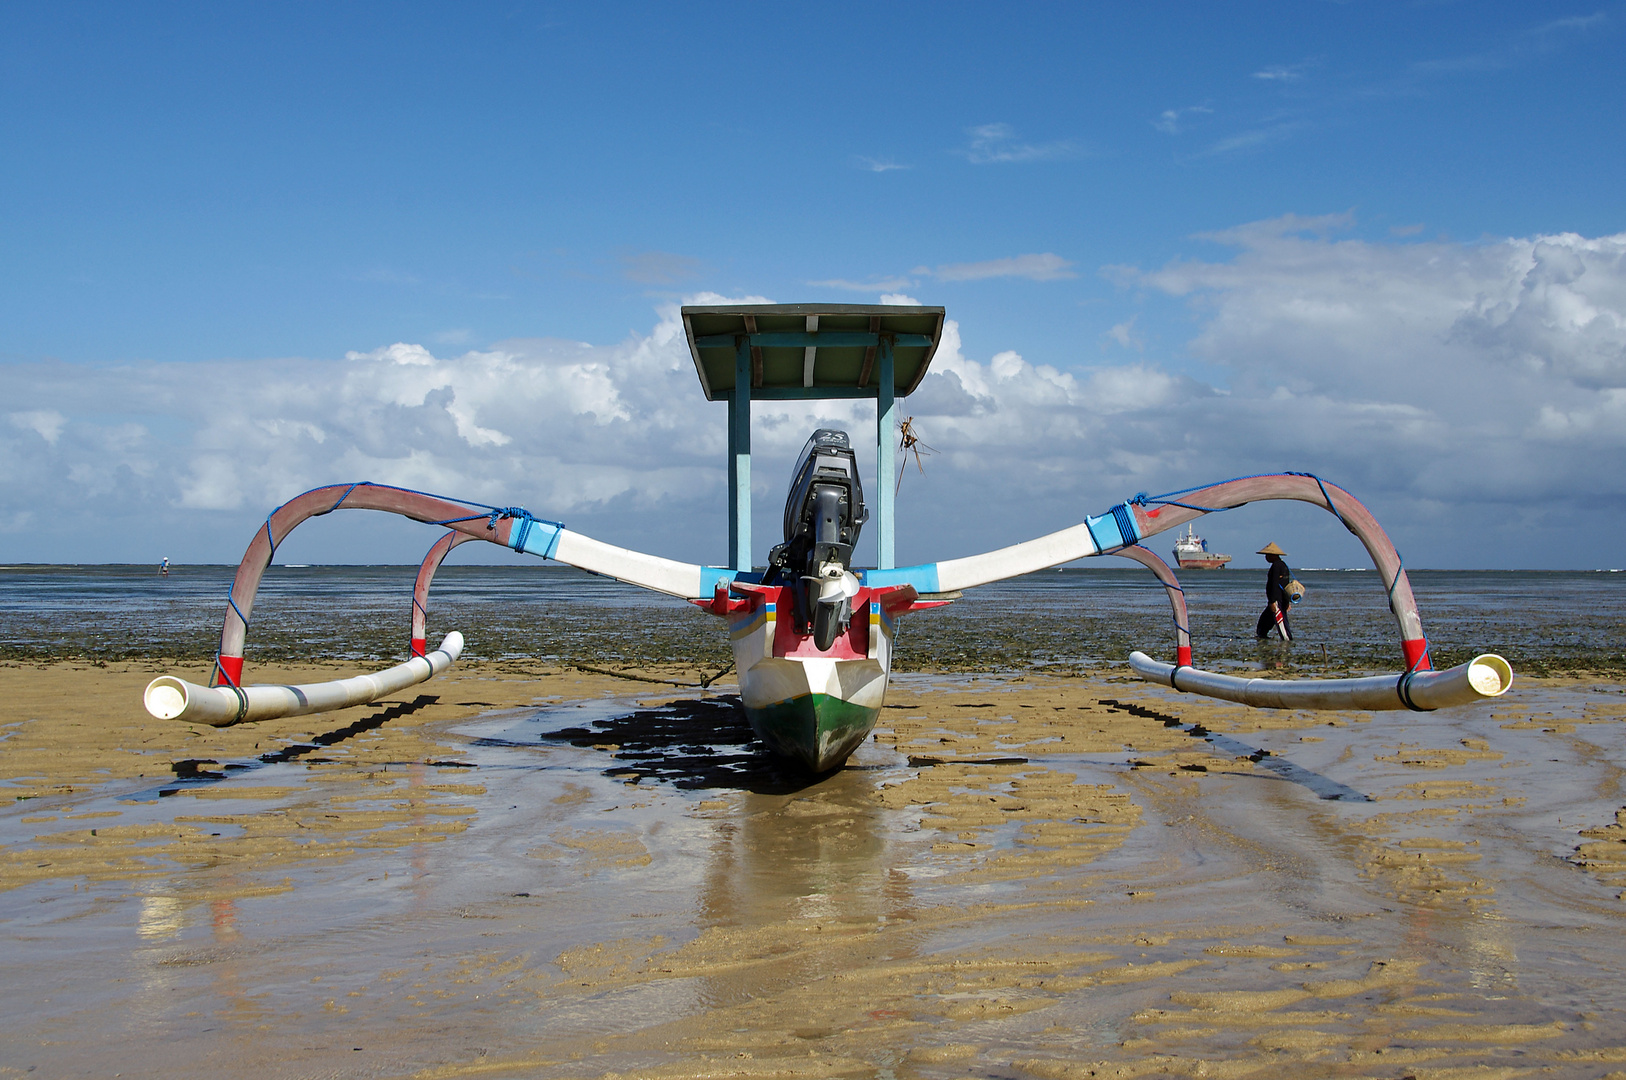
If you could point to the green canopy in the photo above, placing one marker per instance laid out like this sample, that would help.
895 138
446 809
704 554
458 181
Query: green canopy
811 350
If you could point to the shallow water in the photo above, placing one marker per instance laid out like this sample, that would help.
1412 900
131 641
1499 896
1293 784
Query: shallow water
631 886
1022 875
1064 620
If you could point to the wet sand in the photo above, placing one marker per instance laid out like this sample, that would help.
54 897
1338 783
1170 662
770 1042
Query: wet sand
517 870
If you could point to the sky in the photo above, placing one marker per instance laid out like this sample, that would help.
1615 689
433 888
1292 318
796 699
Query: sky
246 250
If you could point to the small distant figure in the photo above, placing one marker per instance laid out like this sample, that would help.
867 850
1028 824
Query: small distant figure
163 566
1277 580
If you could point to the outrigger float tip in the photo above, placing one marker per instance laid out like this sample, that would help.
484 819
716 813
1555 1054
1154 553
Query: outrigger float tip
1485 676
169 698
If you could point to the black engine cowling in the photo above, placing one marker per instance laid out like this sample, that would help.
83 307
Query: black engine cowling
824 512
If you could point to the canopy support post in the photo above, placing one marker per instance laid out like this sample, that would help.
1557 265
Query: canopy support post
739 461
886 422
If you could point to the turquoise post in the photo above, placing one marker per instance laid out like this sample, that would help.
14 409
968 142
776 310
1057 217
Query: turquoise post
733 503
739 461
886 422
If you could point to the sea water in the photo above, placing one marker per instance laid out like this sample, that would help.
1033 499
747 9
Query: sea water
1059 620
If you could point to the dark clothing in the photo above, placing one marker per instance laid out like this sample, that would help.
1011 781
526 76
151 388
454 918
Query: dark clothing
1276 582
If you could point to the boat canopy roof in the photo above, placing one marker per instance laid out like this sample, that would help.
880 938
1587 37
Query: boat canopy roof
810 350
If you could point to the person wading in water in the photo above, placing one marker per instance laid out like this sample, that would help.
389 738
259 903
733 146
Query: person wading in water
1276 582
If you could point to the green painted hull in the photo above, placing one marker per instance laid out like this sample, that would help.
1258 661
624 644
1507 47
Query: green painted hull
818 730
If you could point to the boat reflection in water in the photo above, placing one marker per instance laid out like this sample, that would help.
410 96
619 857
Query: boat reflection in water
792 878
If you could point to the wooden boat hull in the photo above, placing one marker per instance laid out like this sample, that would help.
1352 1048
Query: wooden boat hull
814 710
819 730
812 706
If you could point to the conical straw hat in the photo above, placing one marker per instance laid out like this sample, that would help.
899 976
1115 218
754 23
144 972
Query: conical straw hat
1271 549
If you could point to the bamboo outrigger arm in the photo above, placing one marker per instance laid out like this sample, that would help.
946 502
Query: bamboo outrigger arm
1130 522
420 589
1123 527
512 527
1177 597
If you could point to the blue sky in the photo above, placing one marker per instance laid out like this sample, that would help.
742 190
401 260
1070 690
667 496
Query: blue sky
1196 208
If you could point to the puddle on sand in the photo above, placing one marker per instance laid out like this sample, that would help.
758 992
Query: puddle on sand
632 886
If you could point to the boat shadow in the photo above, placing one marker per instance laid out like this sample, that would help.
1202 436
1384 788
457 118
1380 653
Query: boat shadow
692 744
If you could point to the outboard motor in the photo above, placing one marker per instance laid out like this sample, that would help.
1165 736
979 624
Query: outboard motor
823 514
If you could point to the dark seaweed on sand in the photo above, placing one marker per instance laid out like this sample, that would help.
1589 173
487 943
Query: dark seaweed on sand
1058 622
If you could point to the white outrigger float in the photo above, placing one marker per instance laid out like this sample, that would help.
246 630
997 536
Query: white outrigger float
812 633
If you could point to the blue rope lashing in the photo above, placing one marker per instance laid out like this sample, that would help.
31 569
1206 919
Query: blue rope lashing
233 685
526 523
1143 499
270 537
1325 494
1126 523
500 512
232 601
1168 498
494 513
1394 583
414 491
1403 689
221 668
346 495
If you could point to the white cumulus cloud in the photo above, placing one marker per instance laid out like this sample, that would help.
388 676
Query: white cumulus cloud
1473 394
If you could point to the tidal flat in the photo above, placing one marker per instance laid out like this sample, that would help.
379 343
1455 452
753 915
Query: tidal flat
526 869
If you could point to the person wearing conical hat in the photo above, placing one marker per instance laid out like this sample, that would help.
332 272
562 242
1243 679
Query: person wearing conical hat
1276 582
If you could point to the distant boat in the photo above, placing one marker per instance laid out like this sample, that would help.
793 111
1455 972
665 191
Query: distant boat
1191 553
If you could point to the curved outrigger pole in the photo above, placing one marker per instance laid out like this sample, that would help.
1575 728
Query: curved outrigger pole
1117 532
169 698
1418 687
418 639
227 700
511 527
1120 531
1177 598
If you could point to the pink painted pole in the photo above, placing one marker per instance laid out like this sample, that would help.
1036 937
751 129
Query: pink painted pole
1177 598
420 590
1153 518
476 524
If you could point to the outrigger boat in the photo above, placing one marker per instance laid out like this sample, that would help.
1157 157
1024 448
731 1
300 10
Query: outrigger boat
812 633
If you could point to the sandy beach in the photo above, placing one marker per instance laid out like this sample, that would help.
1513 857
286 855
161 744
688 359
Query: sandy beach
516 870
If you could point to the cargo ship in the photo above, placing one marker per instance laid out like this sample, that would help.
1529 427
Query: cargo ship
1191 553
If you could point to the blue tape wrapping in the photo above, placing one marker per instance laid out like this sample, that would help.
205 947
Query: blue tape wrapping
1125 517
923 577
534 537
1113 529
